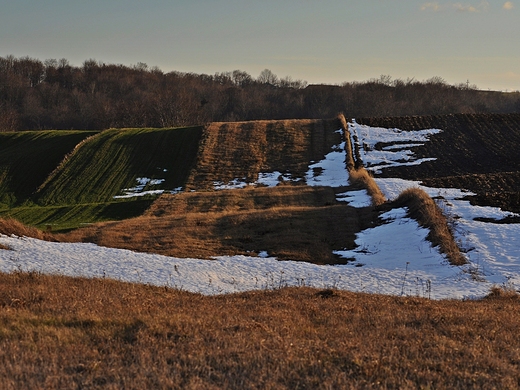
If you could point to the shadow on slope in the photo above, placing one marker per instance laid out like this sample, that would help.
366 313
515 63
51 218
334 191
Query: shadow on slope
27 158
289 222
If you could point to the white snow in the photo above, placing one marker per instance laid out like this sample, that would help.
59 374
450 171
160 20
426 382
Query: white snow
138 190
232 185
397 154
358 198
393 258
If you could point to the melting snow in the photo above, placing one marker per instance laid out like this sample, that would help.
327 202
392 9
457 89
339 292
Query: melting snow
138 190
367 139
358 198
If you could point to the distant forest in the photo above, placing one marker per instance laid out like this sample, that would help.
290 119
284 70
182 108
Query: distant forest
56 95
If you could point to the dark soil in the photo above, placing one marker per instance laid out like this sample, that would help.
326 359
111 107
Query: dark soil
477 152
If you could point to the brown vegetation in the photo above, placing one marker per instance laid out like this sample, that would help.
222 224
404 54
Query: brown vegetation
58 332
9 226
360 177
350 163
242 150
290 222
424 209
56 95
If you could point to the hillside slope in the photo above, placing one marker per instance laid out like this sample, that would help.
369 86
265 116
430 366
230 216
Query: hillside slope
290 221
113 160
242 150
27 158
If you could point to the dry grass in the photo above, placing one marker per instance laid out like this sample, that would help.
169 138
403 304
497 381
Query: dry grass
424 209
290 222
350 163
503 292
10 226
242 150
360 177
58 332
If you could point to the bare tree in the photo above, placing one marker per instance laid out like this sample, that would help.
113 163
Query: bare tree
267 77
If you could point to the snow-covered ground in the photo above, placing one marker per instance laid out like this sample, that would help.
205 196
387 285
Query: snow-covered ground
394 258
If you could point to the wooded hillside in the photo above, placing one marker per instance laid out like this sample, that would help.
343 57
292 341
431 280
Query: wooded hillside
54 94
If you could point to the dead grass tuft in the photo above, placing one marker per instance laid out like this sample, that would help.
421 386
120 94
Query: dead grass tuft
361 177
10 226
504 292
423 208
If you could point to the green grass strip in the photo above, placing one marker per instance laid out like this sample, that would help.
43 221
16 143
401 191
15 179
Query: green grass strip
112 161
27 158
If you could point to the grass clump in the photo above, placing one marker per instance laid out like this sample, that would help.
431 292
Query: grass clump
10 226
503 292
361 177
423 208
350 163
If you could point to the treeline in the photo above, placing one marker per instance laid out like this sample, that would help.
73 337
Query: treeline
54 94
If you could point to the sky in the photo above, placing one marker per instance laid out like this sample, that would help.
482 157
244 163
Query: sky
326 41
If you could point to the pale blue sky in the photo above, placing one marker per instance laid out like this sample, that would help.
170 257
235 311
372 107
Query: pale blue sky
326 41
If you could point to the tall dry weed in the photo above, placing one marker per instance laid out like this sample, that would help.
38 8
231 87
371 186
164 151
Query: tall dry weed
10 226
423 208
348 143
361 177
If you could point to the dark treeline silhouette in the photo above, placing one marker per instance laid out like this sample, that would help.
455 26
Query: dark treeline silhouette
56 95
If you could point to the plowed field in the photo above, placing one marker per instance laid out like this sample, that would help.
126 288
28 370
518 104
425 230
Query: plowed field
478 152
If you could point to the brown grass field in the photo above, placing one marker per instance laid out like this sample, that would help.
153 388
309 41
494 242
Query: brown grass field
65 333
290 222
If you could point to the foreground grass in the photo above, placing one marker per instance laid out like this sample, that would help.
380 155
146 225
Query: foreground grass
58 332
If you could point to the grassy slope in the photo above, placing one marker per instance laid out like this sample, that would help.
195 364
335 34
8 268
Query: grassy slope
58 333
113 160
68 217
27 158
291 222
81 189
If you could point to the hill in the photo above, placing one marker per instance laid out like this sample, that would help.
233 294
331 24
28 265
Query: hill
59 332
291 221
66 179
